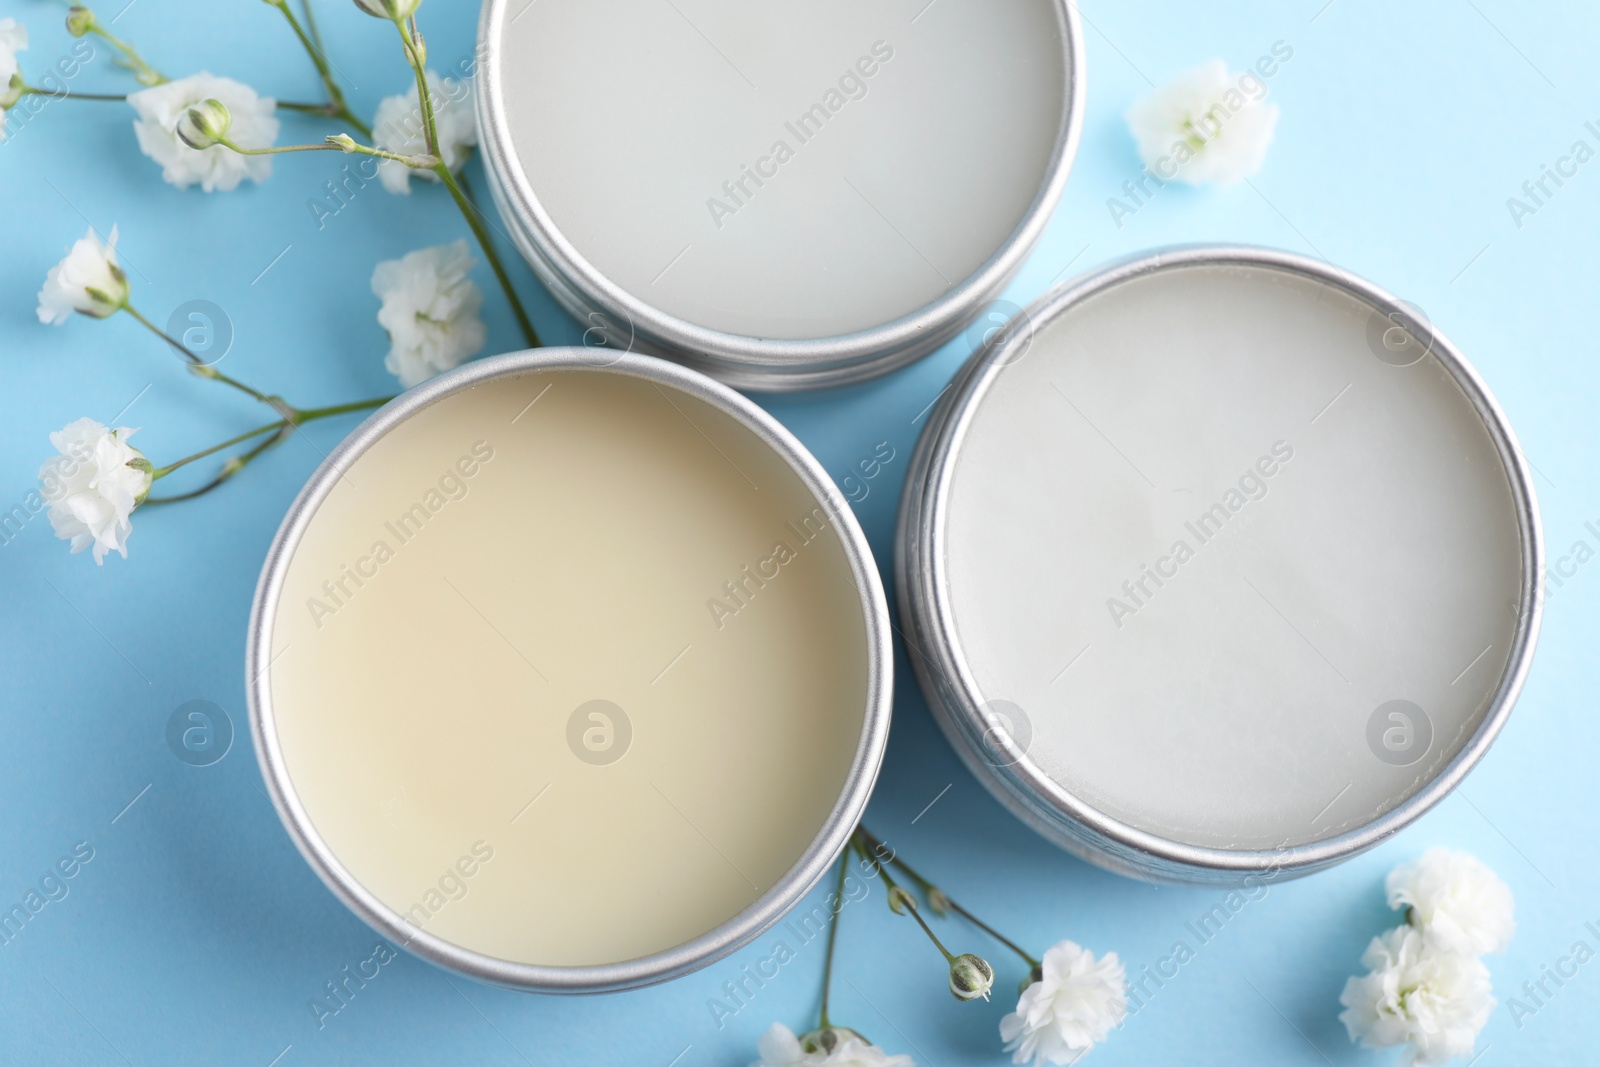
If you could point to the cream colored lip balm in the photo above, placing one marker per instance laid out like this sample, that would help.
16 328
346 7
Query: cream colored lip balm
1223 564
569 668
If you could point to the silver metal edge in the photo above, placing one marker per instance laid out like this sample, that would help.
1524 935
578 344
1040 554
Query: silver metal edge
952 691
761 364
770 906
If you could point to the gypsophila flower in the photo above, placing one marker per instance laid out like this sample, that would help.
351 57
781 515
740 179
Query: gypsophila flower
13 39
89 280
1432 1001
94 489
254 125
398 128
1072 1004
1206 125
1457 902
779 1047
430 308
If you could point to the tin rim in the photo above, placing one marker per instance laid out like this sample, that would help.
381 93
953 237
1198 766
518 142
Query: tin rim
952 691
750 362
707 948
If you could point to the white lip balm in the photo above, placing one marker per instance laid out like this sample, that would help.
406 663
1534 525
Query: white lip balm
1233 562
570 668
780 192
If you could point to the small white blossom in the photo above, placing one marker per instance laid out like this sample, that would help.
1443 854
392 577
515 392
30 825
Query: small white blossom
1074 1002
162 107
13 39
430 308
398 128
1456 901
94 485
779 1047
89 280
1432 1001
1204 125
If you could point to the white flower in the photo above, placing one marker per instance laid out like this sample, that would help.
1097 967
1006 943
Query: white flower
1073 1003
162 107
430 308
1204 125
13 39
89 280
780 1048
91 487
1456 901
1417 995
398 128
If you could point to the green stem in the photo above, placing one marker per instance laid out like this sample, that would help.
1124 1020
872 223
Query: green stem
143 72
860 840
336 107
474 219
928 888
278 149
823 1022
408 41
279 430
29 90
199 366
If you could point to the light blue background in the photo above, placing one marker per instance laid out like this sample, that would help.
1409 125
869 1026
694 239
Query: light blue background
197 935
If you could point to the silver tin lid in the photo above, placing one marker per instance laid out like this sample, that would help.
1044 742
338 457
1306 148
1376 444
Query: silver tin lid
1108 691
782 197
264 659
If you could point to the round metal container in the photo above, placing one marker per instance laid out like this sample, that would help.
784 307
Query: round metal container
841 264
786 453
1120 318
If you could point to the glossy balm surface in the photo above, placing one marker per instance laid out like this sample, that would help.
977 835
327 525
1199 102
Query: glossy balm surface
783 170
1250 582
569 668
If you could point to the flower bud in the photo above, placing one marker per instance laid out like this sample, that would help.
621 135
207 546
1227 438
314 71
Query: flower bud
80 20
204 124
900 900
938 903
971 977
393 10
825 1041
343 140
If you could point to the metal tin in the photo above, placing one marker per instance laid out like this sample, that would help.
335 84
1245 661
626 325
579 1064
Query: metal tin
713 945
985 739
564 263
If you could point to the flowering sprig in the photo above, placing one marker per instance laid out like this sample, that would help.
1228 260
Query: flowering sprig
311 40
82 21
971 976
441 162
98 480
1426 988
1069 1000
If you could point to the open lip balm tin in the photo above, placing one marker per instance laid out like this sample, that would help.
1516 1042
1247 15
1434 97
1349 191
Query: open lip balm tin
1219 564
570 678
783 196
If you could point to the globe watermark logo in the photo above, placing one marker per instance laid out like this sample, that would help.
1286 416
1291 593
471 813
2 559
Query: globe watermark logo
1399 733
1400 336
1007 733
1002 334
599 732
199 733
203 328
